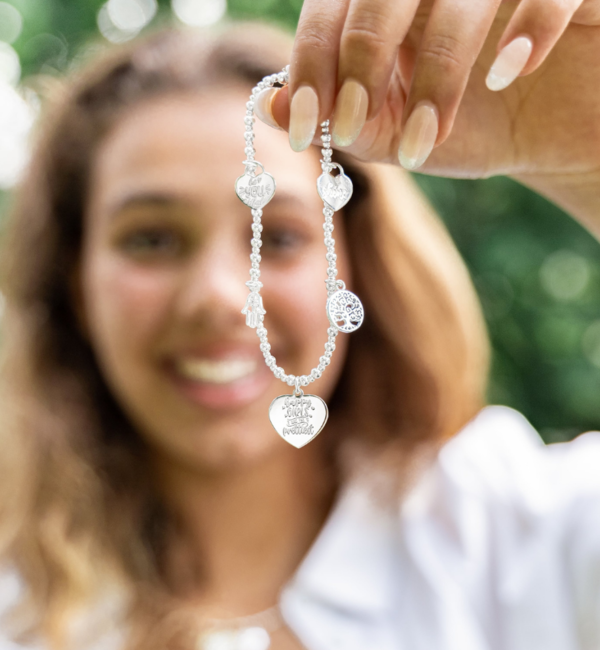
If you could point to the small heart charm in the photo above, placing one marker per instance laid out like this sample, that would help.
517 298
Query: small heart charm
255 190
298 419
335 191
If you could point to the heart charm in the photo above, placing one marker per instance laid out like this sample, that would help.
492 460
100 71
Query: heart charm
298 419
255 190
335 191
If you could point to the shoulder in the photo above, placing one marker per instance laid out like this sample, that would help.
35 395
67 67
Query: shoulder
100 626
504 519
11 591
501 457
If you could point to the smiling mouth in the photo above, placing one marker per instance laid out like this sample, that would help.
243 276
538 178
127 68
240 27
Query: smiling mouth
216 372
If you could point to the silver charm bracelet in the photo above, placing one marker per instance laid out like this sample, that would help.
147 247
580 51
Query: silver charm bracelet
297 418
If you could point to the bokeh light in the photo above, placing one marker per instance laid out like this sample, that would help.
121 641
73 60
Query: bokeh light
16 120
131 15
565 275
122 20
199 13
11 23
48 51
10 65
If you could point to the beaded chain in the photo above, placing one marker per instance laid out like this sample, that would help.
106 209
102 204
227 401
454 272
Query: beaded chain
344 309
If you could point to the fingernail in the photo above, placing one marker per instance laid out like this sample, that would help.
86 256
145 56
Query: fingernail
420 133
262 107
350 113
509 63
304 113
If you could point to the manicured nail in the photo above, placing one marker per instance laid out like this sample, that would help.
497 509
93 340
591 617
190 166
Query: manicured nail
509 63
262 107
420 133
350 113
304 113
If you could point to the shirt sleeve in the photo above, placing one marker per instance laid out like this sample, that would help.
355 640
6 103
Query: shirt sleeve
510 527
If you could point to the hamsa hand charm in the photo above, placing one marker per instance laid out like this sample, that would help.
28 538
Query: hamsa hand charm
253 309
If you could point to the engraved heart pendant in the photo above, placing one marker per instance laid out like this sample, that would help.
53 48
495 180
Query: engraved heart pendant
298 419
255 190
335 191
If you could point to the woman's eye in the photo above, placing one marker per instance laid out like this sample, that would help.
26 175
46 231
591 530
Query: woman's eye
152 242
281 240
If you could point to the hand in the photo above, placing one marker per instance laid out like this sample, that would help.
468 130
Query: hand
416 72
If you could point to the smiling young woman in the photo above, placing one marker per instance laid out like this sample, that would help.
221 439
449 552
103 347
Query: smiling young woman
145 500
139 463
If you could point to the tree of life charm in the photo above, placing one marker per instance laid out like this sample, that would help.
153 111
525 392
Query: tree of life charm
297 418
345 311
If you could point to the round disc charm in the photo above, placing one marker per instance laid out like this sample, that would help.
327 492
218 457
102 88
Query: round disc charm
345 311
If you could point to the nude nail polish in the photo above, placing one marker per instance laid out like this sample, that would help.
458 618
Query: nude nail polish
509 63
262 107
419 136
350 113
304 113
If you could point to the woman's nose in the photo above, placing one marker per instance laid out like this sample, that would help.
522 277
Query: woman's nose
213 290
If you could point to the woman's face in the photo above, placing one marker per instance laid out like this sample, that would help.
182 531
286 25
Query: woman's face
165 258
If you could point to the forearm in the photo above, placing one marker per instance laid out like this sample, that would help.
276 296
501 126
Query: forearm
577 194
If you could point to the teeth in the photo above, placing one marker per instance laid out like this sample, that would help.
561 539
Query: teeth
216 372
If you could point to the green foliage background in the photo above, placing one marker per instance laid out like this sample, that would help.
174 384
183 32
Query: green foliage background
537 272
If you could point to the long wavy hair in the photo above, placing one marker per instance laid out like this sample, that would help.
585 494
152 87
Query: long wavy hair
78 511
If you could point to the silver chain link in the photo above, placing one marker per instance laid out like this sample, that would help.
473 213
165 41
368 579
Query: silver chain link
254 283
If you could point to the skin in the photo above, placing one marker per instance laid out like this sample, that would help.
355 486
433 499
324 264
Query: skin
165 258
543 130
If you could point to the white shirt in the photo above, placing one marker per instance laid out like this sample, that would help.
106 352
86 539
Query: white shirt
497 547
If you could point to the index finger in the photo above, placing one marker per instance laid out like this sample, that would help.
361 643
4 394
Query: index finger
313 68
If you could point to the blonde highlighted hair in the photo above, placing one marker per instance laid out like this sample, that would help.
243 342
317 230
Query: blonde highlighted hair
77 503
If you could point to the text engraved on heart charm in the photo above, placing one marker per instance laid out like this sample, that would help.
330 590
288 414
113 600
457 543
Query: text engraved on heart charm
335 191
298 419
255 190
